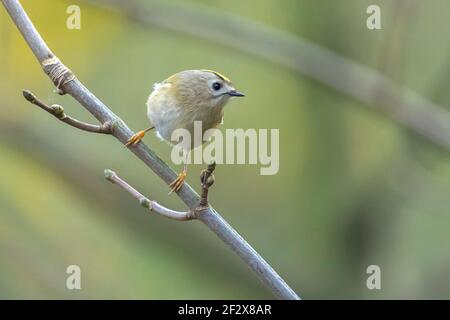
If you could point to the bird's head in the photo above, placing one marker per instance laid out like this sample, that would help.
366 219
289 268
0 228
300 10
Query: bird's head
202 88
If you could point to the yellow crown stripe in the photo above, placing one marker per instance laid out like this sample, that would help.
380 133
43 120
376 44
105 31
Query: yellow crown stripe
221 76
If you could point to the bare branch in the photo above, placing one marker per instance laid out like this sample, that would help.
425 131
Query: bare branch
145 202
58 111
68 83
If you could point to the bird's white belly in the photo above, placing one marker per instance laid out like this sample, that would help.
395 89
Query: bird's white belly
164 117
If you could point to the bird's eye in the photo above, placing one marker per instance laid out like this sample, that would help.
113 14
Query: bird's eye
216 86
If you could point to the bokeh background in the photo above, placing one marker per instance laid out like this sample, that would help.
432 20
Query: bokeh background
355 187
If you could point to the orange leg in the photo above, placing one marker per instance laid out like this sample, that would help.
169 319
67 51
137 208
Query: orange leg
137 137
178 182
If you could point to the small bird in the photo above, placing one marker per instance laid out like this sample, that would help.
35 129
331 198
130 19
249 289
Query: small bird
185 97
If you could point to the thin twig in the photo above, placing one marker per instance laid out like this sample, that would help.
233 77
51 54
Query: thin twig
207 180
68 83
58 111
145 202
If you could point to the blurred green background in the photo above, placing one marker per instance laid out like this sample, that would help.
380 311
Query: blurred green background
354 187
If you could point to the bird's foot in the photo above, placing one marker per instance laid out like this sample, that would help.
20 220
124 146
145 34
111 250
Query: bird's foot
178 182
136 138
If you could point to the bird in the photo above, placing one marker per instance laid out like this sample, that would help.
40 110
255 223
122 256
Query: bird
182 99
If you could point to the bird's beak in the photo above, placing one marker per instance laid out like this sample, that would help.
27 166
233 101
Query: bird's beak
235 93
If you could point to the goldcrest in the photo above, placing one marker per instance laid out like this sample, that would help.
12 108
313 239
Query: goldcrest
185 97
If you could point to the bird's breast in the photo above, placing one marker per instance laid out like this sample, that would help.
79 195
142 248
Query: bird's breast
166 115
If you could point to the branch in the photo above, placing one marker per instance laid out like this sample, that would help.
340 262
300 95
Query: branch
58 111
145 202
66 82
372 88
